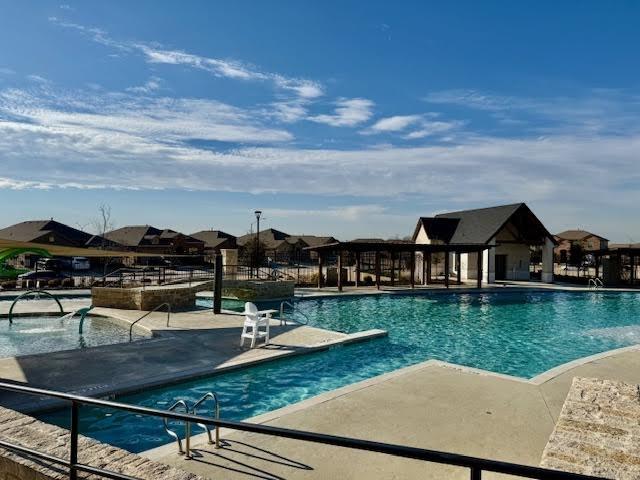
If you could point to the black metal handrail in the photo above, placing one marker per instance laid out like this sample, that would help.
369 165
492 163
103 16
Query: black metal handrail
475 465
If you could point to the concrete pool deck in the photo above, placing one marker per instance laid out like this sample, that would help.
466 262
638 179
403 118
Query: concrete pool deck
195 344
431 405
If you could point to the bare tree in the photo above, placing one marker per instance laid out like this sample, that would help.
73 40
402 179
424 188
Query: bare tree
102 224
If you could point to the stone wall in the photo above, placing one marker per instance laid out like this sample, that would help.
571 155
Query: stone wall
148 298
251 290
26 431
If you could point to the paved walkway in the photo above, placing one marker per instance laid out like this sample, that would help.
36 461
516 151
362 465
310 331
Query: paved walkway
194 344
430 405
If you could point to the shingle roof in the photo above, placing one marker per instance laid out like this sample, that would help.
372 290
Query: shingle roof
478 225
32 230
267 236
132 235
577 235
481 224
215 238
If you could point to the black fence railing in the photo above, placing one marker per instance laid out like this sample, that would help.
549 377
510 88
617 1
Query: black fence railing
147 276
476 466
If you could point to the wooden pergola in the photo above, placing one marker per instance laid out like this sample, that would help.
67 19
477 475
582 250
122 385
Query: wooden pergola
632 251
395 247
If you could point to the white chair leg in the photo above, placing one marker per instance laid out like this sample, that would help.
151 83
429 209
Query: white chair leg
253 339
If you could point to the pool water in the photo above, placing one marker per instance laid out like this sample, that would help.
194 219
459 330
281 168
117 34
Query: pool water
41 334
519 333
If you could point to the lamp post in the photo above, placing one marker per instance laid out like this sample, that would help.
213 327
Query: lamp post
257 253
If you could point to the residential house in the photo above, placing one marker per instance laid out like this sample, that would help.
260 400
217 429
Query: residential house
217 241
586 240
52 232
282 247
148 239
509 232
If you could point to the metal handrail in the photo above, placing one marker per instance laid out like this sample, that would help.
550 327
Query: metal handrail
216 415
172 433
33 292
596 282
292 319
149 313
476 465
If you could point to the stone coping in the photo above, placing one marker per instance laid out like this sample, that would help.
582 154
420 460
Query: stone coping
597 431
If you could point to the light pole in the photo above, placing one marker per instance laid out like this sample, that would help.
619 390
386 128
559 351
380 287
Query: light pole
257 214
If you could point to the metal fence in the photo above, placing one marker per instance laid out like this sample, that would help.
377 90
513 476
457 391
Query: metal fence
476 466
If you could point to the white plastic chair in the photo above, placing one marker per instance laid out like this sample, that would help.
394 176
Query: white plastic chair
256 325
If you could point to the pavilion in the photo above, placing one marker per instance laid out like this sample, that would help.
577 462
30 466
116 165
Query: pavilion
394 248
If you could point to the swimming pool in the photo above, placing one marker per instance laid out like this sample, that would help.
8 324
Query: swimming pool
519 333
40 334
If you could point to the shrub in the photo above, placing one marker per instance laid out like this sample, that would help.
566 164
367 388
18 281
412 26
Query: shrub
54 282
367 280
67 282
8 285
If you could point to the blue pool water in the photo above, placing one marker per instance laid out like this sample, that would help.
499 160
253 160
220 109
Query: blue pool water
518 333
38 334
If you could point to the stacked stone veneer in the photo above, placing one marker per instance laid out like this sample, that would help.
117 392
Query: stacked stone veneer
598 431
147 298
251 290
26 431
138 298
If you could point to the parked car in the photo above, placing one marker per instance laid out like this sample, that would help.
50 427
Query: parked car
50 264
40 275
80 263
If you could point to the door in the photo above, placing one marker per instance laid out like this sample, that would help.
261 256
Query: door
501 267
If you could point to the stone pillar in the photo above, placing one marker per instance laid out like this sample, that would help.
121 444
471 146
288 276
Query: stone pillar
230 262
547 261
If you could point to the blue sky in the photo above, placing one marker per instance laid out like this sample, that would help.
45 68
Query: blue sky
344 118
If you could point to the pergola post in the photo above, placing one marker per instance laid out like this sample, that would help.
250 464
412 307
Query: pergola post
378 269
446 269
632 273
479 269
429 262
357 269
459 267
412 266
320 262
340 270
597 265
393 269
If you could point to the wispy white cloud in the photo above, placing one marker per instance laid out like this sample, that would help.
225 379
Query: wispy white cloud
6 71
422 125
587 111
232 69
344 212
429 128
150 86
395 123
349 112
37 78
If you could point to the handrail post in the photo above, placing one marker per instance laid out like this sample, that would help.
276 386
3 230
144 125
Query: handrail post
187 443
73 444
476 473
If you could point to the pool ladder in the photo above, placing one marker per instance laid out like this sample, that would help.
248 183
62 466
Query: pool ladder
187 428
283 320
595 283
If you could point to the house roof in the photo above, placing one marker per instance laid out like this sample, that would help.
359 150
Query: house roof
480 225
266 236
215 238
33 230
132 235
577 235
